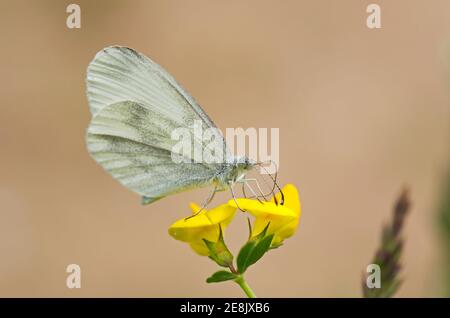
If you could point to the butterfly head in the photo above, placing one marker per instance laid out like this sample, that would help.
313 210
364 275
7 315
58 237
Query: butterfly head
237 168
244 163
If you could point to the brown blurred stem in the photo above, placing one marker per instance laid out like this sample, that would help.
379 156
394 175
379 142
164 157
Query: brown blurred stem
445 225
388 254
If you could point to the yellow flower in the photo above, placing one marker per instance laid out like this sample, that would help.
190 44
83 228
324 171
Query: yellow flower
283 219
204 225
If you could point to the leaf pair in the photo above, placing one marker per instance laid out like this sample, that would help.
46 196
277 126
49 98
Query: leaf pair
249 254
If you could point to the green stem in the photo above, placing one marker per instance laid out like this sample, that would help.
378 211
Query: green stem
245 287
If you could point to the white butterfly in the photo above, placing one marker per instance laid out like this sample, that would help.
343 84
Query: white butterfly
135 106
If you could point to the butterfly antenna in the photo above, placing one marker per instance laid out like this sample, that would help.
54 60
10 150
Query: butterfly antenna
243 190
234 198
253 191
260 190
276 174
245 193
276 184
274 179
262 195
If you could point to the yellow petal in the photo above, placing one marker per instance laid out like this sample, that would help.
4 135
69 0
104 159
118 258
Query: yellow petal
194 207
291 199
260 224
282 219
287 230
210 233
188 229
183 234
277 240
204 225
200 248
221 213
257 208
276 222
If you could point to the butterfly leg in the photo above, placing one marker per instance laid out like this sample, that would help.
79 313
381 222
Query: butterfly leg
205 204
234 197
210 198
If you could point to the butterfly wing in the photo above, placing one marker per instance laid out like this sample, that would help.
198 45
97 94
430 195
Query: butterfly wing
130 142
136 105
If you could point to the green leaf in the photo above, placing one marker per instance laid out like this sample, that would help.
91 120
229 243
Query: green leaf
221 276
260 249
243 256
252 252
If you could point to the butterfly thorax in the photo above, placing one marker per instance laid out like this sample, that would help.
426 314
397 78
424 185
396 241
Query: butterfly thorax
234 171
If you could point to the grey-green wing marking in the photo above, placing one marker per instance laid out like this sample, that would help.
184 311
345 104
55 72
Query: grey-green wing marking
133 144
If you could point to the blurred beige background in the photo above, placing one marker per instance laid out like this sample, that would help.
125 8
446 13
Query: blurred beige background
361 113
